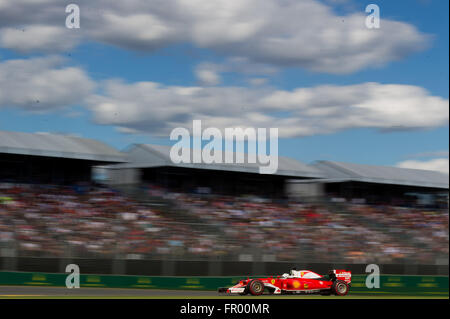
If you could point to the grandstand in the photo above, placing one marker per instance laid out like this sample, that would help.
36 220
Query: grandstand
51 158
348 172
149 210
152 164
377 184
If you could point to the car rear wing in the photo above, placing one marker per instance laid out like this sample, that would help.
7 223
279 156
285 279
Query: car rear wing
343 275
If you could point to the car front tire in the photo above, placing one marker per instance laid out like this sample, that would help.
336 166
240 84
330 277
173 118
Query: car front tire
256 287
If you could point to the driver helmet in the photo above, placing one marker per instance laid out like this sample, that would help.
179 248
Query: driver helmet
294 271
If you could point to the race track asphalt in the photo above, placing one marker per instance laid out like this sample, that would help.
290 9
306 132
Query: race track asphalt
27 291
38 292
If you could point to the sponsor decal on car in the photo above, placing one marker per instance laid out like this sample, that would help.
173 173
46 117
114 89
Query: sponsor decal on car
237 290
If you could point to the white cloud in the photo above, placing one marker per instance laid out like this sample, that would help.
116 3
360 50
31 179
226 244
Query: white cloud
208 74
257 81
139 31
41 84
157 109
437 164
38 37
305 33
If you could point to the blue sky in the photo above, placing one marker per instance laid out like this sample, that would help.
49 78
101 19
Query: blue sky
231 67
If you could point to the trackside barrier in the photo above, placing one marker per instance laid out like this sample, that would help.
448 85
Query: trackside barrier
389 284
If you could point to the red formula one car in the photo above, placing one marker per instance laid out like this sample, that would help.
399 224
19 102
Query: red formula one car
337 282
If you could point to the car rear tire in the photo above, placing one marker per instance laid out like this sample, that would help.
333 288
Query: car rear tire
256 287
340 288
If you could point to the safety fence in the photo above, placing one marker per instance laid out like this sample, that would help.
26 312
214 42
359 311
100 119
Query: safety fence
389 284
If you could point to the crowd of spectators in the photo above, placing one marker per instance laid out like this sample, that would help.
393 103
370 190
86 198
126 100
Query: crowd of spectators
90 221
352 231
99 222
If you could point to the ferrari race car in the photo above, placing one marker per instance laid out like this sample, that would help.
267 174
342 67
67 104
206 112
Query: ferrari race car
337 282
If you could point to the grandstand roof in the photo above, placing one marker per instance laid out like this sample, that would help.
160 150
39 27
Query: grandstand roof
338 171
56 145
146 155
